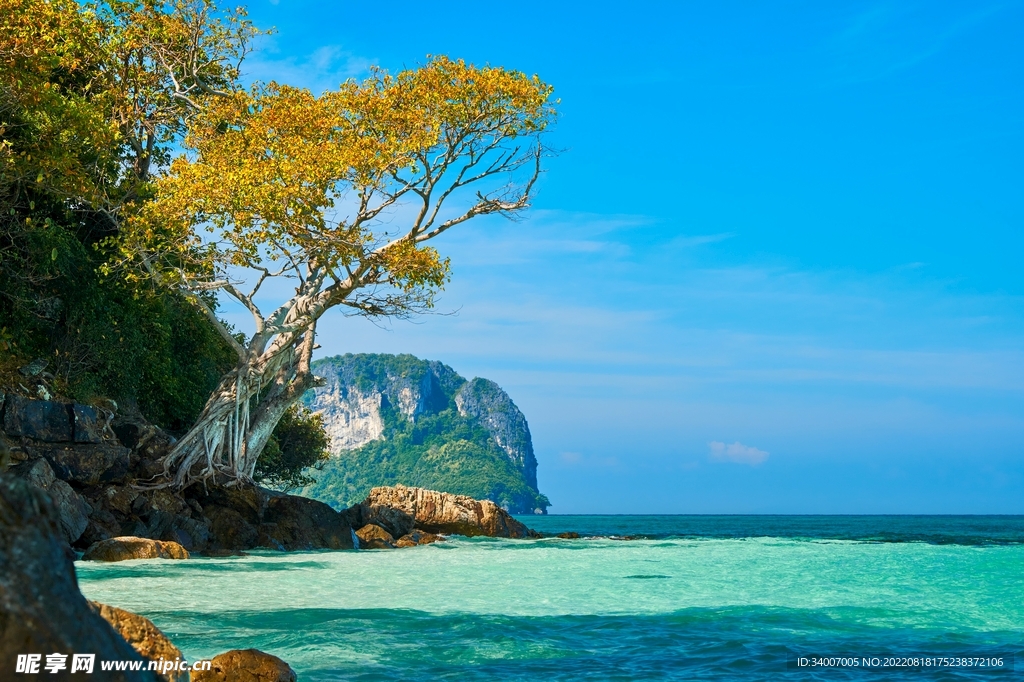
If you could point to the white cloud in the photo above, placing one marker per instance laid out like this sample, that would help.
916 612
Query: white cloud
323 69
737 452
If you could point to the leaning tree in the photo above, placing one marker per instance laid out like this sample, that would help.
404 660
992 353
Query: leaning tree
339 193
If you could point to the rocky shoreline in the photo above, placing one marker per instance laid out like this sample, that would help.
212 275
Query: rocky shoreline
72 479
94 466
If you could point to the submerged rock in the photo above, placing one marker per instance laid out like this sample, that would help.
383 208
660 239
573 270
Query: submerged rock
418 537
145 638
374 537
568 536
246 665
445 513
41 608
125 548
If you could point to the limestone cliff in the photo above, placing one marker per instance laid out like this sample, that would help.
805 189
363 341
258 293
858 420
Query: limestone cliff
396 419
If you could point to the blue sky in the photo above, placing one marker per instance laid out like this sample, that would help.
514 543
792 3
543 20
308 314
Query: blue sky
776 267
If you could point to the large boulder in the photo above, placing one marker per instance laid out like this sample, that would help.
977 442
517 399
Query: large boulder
234 515
297 523
374 537
444 513
84 464
246 517
145 638
44 420
246 665
41 608
125 548
229 529
72 509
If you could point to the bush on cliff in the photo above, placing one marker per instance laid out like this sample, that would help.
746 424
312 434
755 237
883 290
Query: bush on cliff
298 446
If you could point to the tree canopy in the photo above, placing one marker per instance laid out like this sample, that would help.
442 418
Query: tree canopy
92 100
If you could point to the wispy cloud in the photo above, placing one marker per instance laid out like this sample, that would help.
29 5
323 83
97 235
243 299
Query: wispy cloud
570 459
877 43
324 68
737 452
684 241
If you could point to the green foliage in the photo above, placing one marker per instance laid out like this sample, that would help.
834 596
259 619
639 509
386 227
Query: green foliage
86 115
298 445
443 451
102 336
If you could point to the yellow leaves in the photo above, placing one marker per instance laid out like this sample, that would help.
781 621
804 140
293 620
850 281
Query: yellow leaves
411 267
266 170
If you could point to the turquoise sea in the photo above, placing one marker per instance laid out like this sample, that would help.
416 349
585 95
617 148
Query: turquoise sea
683 598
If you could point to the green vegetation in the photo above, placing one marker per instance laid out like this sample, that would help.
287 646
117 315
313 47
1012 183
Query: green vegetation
297 446
84 120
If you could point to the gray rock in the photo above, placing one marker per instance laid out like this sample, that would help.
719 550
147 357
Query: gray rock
297 523
42 420
85 463
34 368
88 424
72 509
188 532
41 608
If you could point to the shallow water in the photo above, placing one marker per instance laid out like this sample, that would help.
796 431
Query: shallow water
697 598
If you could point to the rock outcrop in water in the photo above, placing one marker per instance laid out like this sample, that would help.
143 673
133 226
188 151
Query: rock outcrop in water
400 509
246 665
395 419
126 548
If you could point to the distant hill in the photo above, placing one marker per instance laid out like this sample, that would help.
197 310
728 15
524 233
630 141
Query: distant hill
398 419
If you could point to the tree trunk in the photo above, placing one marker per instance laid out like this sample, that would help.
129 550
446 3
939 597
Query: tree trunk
239 418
